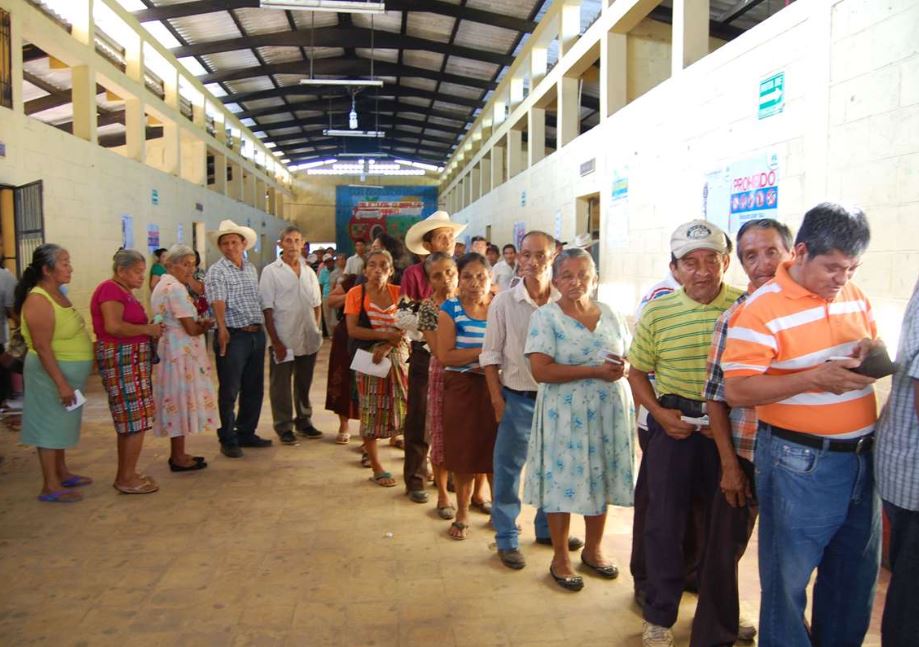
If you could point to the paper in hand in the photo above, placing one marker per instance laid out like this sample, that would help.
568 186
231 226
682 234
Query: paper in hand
288 357
363 363
79 400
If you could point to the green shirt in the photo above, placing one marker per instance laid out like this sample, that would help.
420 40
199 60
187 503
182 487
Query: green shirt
673 338
157 269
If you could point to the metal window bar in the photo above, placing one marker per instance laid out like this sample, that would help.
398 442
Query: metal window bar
30 222
6 63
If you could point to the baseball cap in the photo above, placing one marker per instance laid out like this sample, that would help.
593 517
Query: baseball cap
328 257
697 234
312 258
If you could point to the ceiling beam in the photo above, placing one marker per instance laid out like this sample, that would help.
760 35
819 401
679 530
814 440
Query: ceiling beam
735 11
343 104
341 37
715 28
389 127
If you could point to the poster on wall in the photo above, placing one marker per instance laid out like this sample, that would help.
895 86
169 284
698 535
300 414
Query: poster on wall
557 231
127 231
364 212
744 190
617 228
180 233
520 230
153 237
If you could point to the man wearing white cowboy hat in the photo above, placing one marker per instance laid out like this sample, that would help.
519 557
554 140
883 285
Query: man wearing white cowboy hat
231 285
436 233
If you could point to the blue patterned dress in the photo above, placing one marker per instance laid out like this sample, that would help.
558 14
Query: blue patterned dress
580 454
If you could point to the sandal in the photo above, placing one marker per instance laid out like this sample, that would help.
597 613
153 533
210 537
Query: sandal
147 487
461 527
365 459
343 438
397 442
61 496
482 506
383 479
446 512
77 481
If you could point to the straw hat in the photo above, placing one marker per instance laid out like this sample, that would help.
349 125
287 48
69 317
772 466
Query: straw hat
584 241
415 235
230 227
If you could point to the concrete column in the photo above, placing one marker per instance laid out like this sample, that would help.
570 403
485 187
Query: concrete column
539 63
135 126
613 73
272 201
485 175
497 166
516 92
84 103
500 113
235 182
261 203
83 26
220 128
476 174
568 111
134 60
515 159
536 131
690 33
570 28
220 173
171 89
16 61
172 149
249 190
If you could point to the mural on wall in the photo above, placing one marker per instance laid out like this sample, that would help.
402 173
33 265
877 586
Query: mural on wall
364 212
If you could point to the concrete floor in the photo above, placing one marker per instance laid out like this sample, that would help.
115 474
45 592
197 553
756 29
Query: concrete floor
288 546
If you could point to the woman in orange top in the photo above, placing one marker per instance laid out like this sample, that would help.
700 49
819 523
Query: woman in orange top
370 312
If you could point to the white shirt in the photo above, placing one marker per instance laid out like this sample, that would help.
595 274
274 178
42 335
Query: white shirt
291 300
354 265
506 336
502 273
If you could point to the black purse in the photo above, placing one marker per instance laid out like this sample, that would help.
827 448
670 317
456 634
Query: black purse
363 320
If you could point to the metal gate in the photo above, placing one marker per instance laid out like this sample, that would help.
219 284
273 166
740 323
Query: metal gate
30 222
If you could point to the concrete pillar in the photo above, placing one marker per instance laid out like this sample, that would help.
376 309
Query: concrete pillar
568 111
613 73
690 33
497 166
476 174
220 128
83 26
249 190
272 201
516 92
261 202
171 89
172 148
515 160
135 126
134 60
500 113
536 132
539 63
570 28
84 103
16 61
235 182
220 173
485 175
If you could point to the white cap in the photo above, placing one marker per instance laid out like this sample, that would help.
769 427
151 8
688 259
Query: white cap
697 234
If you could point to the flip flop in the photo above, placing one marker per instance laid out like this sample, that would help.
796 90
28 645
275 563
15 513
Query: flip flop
61 496
380 477
446 512
459 526
77 481
482 506
365 459
343 438
147 487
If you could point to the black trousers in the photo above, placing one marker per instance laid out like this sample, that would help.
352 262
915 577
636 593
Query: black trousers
692 540
729 531
900 624
416 446
241 373
677 472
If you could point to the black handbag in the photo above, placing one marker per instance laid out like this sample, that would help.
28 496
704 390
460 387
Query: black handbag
363 320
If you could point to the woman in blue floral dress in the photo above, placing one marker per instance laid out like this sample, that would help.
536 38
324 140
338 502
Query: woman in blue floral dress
580 454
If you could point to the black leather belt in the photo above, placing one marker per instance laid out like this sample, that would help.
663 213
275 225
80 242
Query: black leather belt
523 394
861 445
252 328
688 407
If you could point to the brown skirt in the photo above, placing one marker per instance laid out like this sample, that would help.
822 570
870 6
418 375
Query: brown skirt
469 425
341 390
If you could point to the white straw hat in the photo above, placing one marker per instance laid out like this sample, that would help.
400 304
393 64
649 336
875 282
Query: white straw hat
414 237
230 227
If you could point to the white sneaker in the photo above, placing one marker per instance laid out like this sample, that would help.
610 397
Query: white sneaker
746 631
14 403
656 636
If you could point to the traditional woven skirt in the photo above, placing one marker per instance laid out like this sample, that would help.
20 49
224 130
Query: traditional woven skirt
434 416
341 390
383 399
45 421
469 426
126 371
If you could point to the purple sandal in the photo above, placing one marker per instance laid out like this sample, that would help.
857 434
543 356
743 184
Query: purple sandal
61 496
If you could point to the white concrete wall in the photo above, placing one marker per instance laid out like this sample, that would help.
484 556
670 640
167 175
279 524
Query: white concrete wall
87 189
849 132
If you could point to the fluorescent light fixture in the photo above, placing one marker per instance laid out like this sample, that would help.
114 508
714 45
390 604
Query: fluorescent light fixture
270 144
357 171
313 164
337 132
341 6
421 165
373 154
376 83
364 186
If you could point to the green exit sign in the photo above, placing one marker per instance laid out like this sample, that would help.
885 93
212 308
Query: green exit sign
772 95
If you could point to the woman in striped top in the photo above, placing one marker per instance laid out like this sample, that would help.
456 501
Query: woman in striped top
469 426
381 400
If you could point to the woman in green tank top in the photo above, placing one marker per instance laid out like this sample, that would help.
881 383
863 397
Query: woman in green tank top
56 367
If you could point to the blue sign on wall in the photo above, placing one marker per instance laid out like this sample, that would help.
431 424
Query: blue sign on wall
365 212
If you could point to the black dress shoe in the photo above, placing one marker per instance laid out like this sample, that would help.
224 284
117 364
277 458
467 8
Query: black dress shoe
231 451
609 571
196 465
252 440
287 438
574 543
310 433
199 459
573 583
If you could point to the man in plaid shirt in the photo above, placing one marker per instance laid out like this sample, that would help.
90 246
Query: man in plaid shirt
762 245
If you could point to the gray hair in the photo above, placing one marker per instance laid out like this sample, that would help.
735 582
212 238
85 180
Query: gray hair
125 259
176 253
290 229
570 254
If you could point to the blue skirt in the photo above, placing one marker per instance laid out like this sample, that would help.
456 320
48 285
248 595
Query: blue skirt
45 421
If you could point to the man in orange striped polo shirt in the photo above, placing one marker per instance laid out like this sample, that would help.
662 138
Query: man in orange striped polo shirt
790 353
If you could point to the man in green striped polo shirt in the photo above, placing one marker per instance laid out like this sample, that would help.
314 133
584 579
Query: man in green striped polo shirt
672 339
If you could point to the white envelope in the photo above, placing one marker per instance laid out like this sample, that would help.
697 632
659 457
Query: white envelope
79 402
289 357
363 363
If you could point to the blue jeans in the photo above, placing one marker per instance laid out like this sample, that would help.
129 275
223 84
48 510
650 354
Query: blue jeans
818 510
900 626
510 456
241 373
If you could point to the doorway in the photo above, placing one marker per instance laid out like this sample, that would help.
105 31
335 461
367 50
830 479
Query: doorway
588 224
